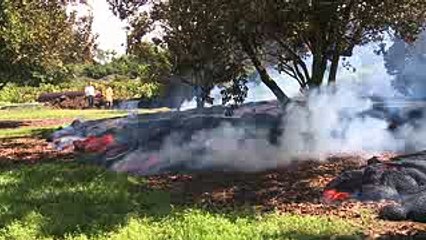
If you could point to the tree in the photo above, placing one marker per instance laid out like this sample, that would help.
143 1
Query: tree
200 52
286 34
332 29
403 60
291 31
38 39
155 60
144 62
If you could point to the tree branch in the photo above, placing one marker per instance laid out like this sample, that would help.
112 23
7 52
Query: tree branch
296 67
264 76
292 74
296 58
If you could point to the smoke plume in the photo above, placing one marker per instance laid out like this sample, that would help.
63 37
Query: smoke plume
355 116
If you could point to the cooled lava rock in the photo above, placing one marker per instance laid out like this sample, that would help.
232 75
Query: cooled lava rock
402 179
143 138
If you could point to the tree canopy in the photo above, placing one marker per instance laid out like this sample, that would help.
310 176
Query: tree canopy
403 60
304 39
38 39
144 61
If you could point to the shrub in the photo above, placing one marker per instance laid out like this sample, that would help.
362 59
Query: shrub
123 89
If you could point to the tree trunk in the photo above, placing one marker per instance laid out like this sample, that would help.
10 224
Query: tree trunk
199 97
333 69
272 85
264 76
319 66
200 103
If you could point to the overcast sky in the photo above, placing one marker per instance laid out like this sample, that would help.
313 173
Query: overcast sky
112 35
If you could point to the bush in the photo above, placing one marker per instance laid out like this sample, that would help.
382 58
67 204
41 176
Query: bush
123 89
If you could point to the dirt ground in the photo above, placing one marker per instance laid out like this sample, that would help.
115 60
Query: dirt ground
34 123
292 189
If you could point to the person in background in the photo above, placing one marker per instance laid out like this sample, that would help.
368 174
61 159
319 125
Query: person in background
109 97
89 91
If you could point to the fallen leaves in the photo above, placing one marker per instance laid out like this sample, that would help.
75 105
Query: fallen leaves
34 123
296 188
29 150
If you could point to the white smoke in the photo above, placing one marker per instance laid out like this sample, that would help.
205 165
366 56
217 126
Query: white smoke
330 120
333 121
225 148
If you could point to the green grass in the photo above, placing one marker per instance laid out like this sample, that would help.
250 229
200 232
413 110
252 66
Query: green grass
75 201
27 132
45 113
17 115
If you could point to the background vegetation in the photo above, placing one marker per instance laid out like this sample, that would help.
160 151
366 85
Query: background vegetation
41 53
123 89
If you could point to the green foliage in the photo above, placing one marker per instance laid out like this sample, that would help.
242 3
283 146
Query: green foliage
156 59
72 201
302 38
38 38
125 66
145 62
134 89
236 92
123 89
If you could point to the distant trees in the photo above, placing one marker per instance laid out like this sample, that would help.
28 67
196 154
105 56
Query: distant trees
405 62
216 40
38 39
145 62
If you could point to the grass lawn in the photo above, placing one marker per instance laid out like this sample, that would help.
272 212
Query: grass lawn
75 201
27 131
37 114
45 113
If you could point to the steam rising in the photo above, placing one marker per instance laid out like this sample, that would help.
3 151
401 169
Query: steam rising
333 122
224 148
344 118
330 120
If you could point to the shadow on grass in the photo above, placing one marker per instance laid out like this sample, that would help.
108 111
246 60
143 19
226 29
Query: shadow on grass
13 133
73 198
418 236
12 124
68 198
43 133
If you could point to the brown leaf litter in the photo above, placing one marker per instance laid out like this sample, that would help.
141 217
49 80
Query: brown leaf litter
295 189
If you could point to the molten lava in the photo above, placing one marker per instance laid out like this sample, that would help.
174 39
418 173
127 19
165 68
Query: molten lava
94 144
332 195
